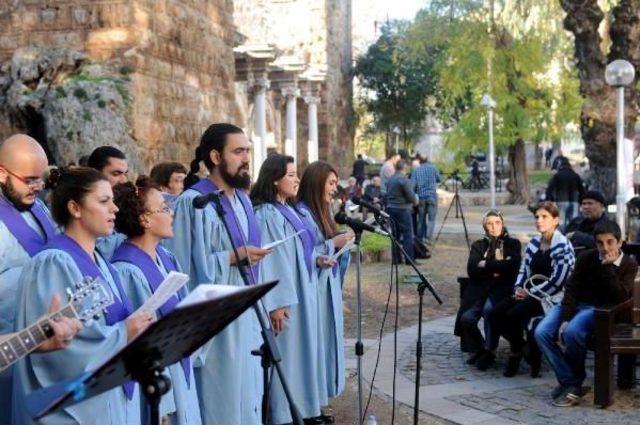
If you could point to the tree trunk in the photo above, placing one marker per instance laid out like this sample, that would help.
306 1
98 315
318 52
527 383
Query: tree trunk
598 115
518 184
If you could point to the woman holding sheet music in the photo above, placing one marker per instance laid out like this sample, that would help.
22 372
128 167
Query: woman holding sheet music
146 219
292 304
317 187
82 204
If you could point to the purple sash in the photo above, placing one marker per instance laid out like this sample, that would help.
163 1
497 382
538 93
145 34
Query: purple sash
307 238
131 254
206 186
28 237
116 312
312 230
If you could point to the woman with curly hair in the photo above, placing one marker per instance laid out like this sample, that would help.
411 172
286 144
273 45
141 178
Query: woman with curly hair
146 219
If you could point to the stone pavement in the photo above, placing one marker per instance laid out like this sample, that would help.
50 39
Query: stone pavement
458 393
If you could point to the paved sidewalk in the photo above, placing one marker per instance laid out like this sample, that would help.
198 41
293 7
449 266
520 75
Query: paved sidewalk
456 392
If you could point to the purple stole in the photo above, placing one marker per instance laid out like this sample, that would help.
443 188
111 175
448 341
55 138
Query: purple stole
131 254
307 237
312 231
28 237
206 186
116 312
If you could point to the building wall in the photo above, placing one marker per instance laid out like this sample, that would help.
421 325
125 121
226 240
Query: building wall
178 54
318 32
179 57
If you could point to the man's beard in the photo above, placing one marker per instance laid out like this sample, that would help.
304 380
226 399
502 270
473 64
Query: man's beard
239 180
14 197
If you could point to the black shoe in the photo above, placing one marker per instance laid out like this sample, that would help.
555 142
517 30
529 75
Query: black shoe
327 419
513 364
535 361
486 361
474 357
570 397
313 421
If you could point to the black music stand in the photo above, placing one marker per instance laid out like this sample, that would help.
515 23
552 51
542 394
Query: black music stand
164 343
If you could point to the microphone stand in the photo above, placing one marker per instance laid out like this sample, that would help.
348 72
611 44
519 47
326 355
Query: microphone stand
269 350
424 284
359 347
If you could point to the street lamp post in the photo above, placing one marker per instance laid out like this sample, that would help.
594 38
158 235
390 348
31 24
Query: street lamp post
619 74
490 104
396 131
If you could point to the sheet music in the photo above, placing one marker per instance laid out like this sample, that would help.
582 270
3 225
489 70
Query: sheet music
350 244
281 241
169 286
206 292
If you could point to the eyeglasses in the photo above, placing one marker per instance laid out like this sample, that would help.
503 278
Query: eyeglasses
30 182
164 210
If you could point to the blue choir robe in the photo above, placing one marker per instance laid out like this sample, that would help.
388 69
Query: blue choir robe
296 291
330 316
22 235
51 272
107 245
230 380
181 402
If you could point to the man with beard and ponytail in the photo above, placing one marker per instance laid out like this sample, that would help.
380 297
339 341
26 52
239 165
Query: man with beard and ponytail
230 381
25 227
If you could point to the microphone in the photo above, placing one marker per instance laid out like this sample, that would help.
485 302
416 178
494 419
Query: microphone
199 202
357 225
376 210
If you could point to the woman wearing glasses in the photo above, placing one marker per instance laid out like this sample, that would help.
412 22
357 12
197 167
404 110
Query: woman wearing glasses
146 219
492 268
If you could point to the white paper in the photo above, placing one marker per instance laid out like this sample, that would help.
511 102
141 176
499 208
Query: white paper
169 286
350 244
281 241
207 292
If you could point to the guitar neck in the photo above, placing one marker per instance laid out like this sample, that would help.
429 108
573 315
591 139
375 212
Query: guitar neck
20 344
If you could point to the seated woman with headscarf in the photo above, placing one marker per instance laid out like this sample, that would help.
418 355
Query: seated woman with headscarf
492 268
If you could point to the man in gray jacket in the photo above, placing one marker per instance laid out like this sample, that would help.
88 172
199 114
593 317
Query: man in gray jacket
400 201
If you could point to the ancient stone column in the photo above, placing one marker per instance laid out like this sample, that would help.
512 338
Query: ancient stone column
260 124
312 103
291 93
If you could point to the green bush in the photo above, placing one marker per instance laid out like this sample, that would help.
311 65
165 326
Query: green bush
372 242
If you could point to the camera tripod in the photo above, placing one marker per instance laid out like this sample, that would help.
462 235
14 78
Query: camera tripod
459 213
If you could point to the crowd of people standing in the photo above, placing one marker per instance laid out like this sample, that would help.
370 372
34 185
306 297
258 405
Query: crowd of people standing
92 221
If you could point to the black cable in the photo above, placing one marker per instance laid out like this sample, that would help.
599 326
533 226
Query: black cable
395 342
384 319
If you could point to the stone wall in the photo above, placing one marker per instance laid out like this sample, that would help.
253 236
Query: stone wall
178 55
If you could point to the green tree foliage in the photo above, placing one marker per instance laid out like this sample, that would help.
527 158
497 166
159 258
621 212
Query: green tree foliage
455 51
395 82
517 54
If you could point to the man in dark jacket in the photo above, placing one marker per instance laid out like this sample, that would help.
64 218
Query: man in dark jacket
359 169
602 276
580 229
401 199
492 268
565 189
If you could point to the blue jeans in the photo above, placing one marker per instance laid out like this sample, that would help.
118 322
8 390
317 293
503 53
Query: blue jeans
404 232
568 364
469 322
428 208
568 211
